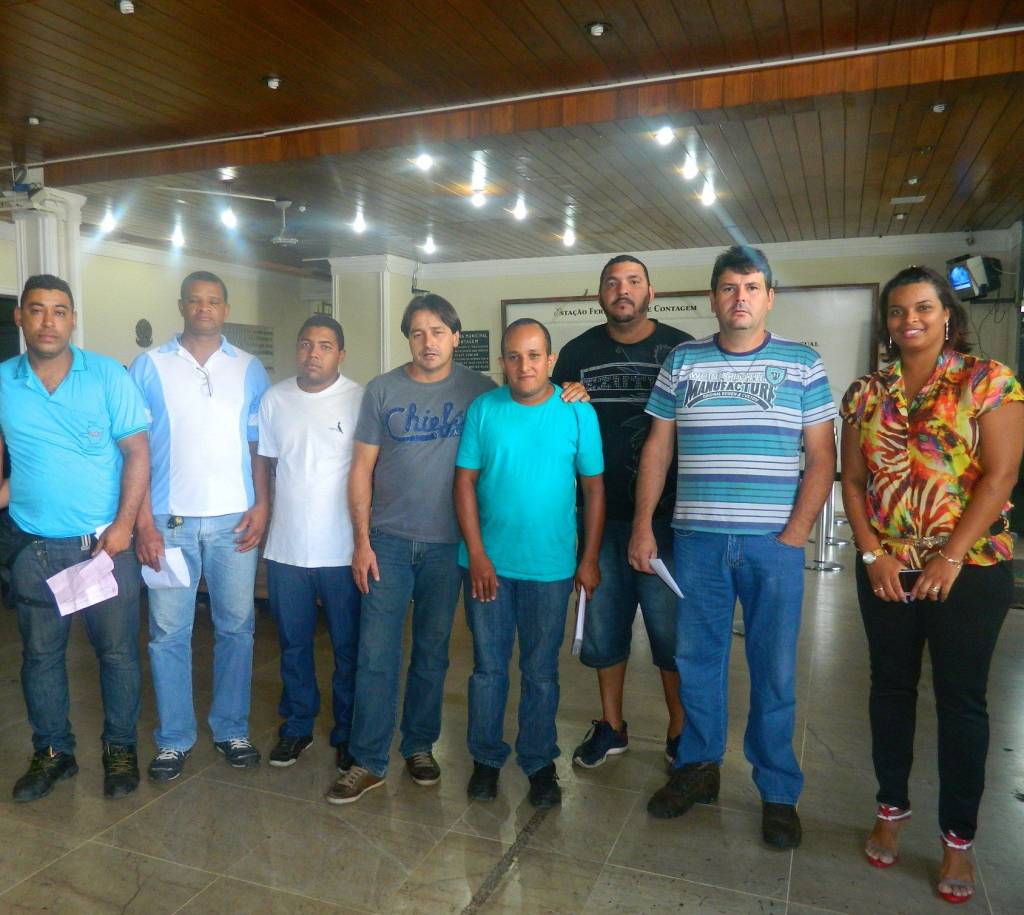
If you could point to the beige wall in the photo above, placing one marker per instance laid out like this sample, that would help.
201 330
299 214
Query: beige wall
357 302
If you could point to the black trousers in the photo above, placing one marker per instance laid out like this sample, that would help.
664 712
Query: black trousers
961 635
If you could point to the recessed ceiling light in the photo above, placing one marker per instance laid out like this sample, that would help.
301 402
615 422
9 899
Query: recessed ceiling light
569 237
664 135
227 173
126 7
939 107
913 180
707 195
178 236
33 121
598 29
519 210
424 162
273 82
900 201
901 215
924 150
228 217
689 169
478 199
428 246
359 223
109 222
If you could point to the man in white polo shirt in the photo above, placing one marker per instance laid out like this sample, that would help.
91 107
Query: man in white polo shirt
209 496
307 424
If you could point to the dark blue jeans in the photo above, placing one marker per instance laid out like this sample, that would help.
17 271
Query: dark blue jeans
293 594
536 610
427 574
113 630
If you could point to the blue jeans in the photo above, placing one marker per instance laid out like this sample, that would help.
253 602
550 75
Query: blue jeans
536 610
293 595
608 632
113 630
767 576
208 545
428 574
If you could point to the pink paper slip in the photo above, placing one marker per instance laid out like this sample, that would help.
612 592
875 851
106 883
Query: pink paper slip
84 584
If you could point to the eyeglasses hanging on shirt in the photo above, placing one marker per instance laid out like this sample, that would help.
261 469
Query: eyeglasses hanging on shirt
205 384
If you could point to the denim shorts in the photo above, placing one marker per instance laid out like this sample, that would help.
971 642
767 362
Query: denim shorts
612 609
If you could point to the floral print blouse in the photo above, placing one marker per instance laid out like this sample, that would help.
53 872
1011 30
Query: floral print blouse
923 458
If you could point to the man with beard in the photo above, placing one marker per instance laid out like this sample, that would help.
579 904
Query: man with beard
616 364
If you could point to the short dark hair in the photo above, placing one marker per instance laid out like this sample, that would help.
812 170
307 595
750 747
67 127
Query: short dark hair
438 305
201 276
323 321
46 281
958 322
624 259
524 322
742 259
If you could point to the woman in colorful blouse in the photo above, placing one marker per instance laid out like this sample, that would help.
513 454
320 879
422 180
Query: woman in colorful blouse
930 452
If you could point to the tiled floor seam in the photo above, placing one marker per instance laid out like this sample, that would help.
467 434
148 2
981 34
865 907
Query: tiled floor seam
712 886
611 850
39 870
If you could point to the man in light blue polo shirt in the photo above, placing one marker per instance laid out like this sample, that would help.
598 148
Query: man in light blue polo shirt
76 430
521 452
210 498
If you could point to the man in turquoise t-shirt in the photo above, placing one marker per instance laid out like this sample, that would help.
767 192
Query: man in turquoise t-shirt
522 449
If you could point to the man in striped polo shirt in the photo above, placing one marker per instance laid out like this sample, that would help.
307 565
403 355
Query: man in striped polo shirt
738 405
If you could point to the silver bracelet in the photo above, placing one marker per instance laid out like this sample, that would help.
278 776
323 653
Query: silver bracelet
953 562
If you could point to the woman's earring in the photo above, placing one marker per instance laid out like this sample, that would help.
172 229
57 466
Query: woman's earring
890 343
947 328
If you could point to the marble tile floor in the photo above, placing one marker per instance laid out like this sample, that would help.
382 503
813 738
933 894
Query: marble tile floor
265 841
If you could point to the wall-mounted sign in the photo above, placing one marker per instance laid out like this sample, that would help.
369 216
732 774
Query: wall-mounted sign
257 339
474 350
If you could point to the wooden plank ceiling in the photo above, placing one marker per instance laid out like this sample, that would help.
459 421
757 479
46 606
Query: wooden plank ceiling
821 165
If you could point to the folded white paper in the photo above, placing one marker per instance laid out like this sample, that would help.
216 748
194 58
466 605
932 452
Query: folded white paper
581 618
661 570
173 571
84 584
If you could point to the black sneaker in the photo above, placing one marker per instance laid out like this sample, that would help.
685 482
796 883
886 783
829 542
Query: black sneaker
343 759
602 741
166 766
483 783
120 770
44 771
544 790
423 768
239 752
780 825
694 783
287 750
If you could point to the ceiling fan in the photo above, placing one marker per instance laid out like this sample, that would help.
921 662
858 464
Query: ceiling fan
282 239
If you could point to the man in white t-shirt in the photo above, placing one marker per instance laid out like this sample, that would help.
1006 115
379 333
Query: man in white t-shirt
306 429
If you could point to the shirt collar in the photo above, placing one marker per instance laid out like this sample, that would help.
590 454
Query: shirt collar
23 369
892 374
174 345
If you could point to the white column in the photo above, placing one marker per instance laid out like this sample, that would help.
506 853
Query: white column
47 240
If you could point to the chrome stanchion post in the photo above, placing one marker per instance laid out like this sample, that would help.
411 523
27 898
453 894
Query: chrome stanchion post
820 563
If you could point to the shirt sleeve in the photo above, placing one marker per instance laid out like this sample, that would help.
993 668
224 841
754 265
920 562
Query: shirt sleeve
369 428
589 453
469 457
267 443
851 411
662 401
143 373
127 412
565 369
995 385
816 403
256 382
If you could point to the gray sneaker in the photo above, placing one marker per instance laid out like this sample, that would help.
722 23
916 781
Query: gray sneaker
167 764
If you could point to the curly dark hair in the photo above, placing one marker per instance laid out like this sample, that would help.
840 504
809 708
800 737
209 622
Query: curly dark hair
958 323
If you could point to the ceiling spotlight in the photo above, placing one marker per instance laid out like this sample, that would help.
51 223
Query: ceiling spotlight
901 216
939 107
228 217
924 150
598 29
227 173
109 222
273 82
33 121
914 180
478 199
707 196
126 7
519 210
359 223
689 169
177 236
569 238
428 246
424 162
664 135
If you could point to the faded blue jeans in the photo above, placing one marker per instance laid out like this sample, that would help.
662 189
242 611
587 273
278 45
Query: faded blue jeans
208 545
113 630
428 574
767 576
536 611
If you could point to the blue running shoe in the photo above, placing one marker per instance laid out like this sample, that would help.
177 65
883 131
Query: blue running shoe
602 741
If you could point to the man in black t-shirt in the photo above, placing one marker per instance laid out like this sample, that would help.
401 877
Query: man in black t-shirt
615 365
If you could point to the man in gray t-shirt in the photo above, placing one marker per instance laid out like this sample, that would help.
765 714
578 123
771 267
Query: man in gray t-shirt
406 545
